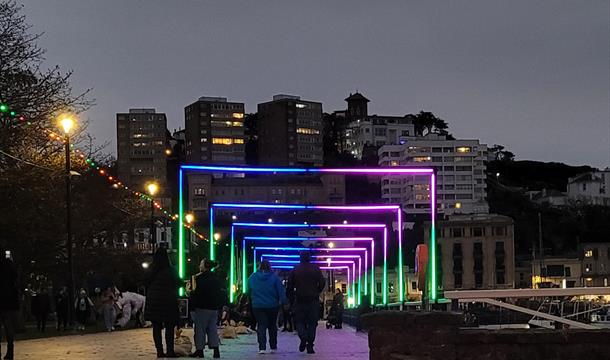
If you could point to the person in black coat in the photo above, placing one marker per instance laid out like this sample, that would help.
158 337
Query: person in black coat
305 284
206 299
40 309
9 301
162 302
62 304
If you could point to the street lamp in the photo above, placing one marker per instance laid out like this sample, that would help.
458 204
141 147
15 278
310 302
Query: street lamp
189 218
67 123
152 189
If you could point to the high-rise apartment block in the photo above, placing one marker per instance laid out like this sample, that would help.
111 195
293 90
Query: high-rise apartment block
460 166
290 132
214 131
141 146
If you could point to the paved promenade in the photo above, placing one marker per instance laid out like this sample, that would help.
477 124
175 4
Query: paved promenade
137 344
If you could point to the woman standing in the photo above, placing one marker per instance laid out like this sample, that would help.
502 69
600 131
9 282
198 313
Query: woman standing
206 299
267 294
162 302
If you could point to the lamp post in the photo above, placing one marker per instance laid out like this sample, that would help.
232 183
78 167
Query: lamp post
67 123
152 189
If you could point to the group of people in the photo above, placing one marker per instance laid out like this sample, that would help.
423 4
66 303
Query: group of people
267 297
298 300
267 293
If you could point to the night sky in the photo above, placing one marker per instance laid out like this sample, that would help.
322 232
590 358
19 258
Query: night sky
531 75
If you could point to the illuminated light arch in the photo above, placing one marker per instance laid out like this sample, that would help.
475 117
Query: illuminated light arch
300 239
362 227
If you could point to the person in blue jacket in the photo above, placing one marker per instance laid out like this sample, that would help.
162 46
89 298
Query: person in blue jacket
267 294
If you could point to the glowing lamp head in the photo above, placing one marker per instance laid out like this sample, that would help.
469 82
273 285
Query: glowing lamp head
189 218
216 236
331 245
152 188
168 151
270 220
145 265
234 217
67 123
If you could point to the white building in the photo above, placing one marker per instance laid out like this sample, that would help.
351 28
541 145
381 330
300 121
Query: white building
590 188
377 131
362 129
460 165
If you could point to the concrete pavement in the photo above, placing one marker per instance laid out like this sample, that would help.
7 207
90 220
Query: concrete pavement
341 344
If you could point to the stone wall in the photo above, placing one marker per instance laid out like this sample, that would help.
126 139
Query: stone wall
395 335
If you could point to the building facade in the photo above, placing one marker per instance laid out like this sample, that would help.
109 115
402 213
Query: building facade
141 148
591 188
558 272
203 189
476 252
363 130
214 132
290 132
461 174
595 264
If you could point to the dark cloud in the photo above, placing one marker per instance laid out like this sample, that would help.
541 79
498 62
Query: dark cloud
533 75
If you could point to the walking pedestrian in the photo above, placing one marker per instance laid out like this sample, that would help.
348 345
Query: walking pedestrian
82 307
162 302
307 282
61 308
338 308
40 308
267 294
9 302
206 299
109 298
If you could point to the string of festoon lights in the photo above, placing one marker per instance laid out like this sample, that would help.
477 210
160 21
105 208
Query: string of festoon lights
102 171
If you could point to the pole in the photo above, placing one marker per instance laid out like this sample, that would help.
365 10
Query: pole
69 233
153 237
541 252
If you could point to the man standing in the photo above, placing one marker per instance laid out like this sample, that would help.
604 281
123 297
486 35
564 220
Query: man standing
205 300
306 282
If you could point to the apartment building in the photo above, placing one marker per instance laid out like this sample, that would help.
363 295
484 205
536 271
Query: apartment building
214 132
460 166
476 252
290 132
141 148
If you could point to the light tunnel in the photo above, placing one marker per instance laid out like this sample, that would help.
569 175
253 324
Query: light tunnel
380 171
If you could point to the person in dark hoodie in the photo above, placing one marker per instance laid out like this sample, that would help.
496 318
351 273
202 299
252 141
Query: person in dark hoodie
162 302
267 294
206 300
307 282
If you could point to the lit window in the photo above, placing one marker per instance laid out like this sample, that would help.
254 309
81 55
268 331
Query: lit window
588 253
308 131
238 115
421 158
301 106
463 149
